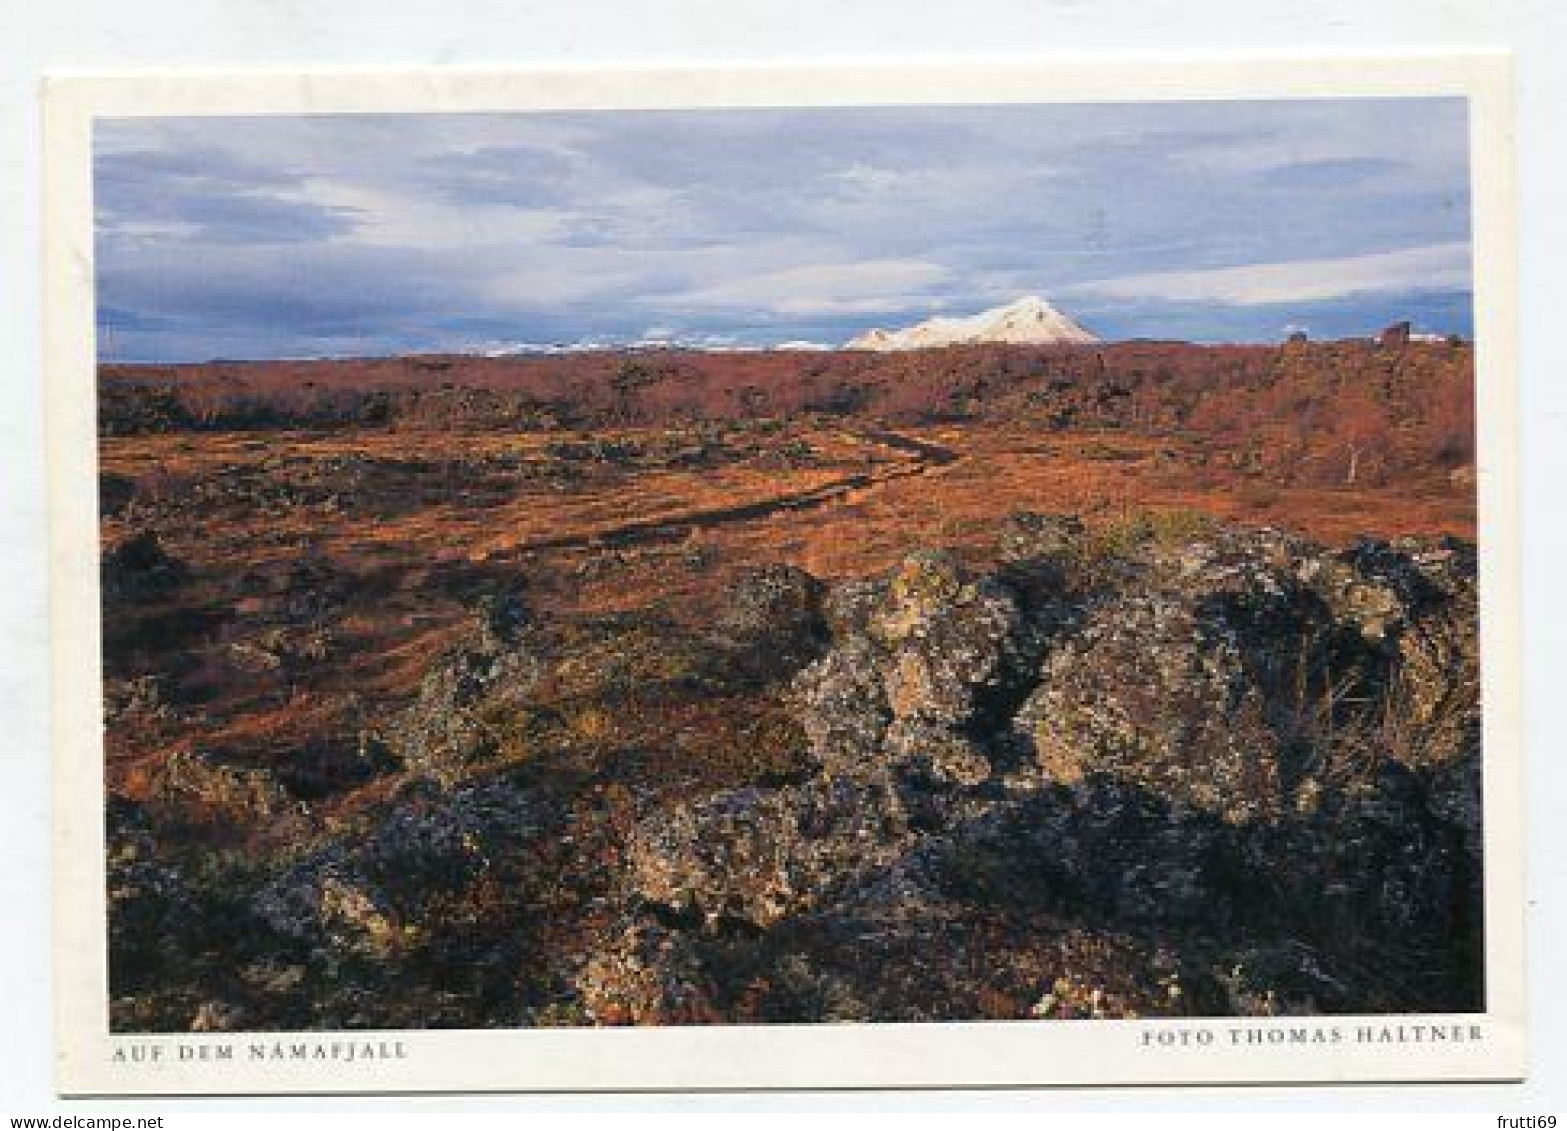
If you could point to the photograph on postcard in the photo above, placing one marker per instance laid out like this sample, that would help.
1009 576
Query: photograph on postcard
762 565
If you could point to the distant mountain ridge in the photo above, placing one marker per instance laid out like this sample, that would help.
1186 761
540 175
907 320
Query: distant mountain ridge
697 343
1029 320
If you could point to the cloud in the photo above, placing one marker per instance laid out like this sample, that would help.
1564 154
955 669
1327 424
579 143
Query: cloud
209 195
824 288
275 234
503 174
1439 267
1340 172
390 218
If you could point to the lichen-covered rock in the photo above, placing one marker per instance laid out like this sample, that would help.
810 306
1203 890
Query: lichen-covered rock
918 663
150 904
1041 538
1259 752
943 659
502 620
842 708
218 1017
1183 770
1119 851
759 855
647 974
1376 861
1244 673
370 896
771 620
1153 692
465 704
194 788
939 753
1456 795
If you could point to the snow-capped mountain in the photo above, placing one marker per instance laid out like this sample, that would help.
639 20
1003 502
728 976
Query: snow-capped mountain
1028 321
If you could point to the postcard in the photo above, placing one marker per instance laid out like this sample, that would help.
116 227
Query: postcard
910 576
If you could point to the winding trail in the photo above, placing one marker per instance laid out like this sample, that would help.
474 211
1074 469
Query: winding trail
923 456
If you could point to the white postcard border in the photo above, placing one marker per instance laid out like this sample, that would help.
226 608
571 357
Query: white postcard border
90 1061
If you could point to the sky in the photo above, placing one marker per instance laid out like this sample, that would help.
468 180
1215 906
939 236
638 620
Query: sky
372 234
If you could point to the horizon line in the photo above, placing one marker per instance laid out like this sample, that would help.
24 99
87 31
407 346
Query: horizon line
1419 337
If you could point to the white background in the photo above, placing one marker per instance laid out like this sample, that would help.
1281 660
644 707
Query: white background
40 35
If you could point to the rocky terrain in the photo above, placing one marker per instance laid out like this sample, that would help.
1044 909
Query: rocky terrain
1321 413
1168 766
664 687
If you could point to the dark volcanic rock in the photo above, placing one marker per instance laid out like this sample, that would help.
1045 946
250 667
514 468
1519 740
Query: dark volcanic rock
843 711
922 665
759 855
951 643
648 974
371 896
1192 772
150 905
1153 693
1256 778
194 788
771 622
1032 537
468 702
115 493
1245 673
140 567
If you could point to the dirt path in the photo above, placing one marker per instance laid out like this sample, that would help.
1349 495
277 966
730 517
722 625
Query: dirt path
923 456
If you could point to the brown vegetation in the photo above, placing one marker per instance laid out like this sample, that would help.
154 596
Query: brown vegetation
510 608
